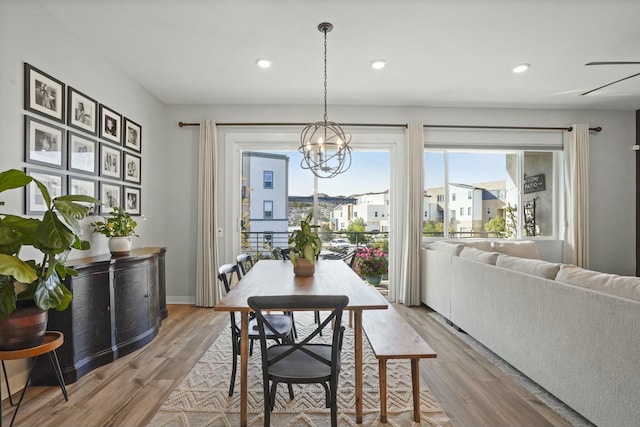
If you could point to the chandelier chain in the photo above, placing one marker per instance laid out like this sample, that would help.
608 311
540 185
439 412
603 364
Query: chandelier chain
325 76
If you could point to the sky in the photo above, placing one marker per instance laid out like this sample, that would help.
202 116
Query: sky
369 172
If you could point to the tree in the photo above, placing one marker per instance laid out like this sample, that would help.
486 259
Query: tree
433 228
356 228
496 225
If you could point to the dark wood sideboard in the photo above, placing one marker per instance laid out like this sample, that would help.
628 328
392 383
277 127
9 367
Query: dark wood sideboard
118 304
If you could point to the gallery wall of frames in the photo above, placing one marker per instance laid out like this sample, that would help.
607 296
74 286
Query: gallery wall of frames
76 145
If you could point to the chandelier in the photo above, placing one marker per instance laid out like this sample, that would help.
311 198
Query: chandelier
324 145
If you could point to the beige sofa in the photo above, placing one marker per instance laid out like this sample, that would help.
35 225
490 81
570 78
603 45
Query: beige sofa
575 332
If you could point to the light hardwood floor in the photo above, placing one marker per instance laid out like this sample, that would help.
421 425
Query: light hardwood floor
128 392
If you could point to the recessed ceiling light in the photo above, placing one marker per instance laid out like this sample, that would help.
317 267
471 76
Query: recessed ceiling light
521 68
378 64
263 62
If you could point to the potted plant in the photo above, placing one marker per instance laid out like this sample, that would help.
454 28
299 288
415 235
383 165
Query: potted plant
305 245
119 227
28 287
372 264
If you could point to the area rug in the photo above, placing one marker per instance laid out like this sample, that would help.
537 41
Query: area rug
202 397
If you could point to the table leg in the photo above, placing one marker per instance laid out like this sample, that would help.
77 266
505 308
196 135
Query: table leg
244 363
357 344
415 381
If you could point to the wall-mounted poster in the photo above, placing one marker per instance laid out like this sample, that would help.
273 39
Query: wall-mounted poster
110 125
132 164
82 112
83 154
132 135
34 201
84 187
110 161
43 94
132 200
110 197
44 143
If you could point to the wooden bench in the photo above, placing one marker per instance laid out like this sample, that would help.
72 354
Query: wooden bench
391 337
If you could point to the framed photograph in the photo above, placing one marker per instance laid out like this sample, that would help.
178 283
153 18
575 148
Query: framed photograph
110 197
131 167
110 162
132 135
83 154
84 187
44 144
43 94
82 111
110 125
131 200
34 201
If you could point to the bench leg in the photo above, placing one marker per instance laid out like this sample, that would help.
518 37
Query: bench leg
382 374
415 380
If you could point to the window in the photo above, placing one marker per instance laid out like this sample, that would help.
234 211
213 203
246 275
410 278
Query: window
355 214
375 214
268 238
517 185
268 179
268 209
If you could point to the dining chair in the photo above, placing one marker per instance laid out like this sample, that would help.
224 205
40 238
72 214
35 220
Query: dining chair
282 323
304 362
245 262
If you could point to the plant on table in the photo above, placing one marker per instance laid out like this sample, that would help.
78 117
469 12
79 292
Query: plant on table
54 235
304 243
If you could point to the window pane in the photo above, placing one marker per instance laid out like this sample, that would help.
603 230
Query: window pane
268 179
434 206
537 196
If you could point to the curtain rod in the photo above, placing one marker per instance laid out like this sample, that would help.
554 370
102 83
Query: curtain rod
570 128
387 125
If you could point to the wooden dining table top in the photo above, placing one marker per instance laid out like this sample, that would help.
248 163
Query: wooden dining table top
275 277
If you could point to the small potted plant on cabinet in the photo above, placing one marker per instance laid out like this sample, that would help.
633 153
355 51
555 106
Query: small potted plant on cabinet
29 288
119 228
305 245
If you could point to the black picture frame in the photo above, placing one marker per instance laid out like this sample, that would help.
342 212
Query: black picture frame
132 168
34 201
110 197
79 185
132 201
110 125
110 162
82 111
44 143
132 135
82 154
43 94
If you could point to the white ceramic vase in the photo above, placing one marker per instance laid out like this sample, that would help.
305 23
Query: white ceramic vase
120 245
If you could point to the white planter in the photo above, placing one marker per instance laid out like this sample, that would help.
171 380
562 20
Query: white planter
120 245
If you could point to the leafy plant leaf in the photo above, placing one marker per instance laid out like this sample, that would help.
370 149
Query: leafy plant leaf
20 270
53 236
13 178
44 191
7 299
51 293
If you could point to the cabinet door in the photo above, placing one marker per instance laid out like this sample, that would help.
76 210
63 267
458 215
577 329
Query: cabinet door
131 300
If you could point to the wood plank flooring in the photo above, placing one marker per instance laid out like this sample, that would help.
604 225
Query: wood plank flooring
128 392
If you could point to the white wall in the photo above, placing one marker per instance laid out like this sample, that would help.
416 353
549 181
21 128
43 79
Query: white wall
29 34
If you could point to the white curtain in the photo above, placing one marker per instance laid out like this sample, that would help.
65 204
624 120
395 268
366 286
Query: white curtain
207 287
576 221
409 289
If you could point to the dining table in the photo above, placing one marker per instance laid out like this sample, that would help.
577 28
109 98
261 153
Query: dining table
276 278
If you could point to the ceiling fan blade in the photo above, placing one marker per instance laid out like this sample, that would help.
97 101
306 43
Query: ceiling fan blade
609 84
612 63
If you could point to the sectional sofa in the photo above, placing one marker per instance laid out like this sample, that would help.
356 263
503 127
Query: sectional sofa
575 332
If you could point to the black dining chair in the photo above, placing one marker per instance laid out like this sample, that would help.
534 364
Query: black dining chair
245 262
305 362
282 323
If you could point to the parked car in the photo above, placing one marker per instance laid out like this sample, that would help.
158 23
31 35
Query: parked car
339 244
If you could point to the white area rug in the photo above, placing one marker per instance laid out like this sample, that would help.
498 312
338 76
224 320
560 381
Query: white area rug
202 397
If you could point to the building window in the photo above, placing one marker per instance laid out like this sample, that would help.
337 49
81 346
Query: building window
375 214
268 209
268 179
268 238
461 211
441 197
355 214
520 185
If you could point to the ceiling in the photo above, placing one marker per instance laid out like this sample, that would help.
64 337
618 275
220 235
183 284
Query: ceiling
438 52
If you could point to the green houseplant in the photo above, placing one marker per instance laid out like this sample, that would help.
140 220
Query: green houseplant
33 283
305 245
119 227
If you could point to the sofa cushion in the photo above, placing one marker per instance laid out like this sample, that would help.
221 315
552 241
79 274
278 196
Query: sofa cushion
535 267
523 249
451 248
478 255
622 286
483 245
